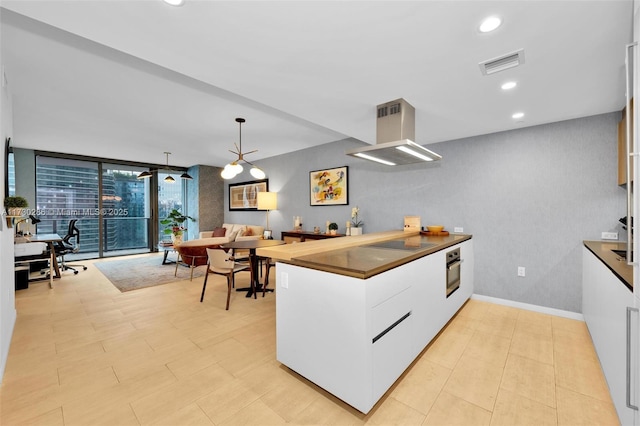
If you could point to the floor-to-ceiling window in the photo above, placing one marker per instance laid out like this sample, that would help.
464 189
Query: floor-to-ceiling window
125 209
11 174
170 196
65 190
113 207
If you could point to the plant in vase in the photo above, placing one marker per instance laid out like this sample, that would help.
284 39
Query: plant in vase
15 204
174 223
356 223
333 228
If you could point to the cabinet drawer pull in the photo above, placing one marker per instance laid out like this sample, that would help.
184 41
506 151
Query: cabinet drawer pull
629 404
391 327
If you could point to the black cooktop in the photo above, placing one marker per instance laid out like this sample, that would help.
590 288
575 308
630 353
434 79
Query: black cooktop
402 245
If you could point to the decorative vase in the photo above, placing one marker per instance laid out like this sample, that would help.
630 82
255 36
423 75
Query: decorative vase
356 230
176 239
333 231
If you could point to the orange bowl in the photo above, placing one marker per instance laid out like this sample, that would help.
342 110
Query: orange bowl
435 228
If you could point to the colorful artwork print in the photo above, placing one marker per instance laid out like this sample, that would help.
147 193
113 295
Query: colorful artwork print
329 187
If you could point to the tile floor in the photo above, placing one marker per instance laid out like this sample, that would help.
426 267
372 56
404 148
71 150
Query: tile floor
86 354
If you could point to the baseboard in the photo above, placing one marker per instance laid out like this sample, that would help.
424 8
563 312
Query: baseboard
529 307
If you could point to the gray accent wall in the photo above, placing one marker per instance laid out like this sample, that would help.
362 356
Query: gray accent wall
529 197
205 199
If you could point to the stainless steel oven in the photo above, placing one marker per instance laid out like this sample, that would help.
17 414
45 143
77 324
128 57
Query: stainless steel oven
453 270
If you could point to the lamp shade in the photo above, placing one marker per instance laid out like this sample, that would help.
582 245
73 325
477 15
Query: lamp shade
267 201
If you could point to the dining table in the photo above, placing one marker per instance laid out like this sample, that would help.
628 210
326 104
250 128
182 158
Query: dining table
252 245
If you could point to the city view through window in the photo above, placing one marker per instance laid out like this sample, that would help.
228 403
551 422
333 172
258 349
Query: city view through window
113 209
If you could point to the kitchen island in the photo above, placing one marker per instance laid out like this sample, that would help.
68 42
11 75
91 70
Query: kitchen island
353 313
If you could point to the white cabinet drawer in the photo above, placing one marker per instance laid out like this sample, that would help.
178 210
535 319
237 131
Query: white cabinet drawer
387 313
392 354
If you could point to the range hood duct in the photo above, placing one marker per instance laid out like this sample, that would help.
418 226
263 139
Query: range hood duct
395 132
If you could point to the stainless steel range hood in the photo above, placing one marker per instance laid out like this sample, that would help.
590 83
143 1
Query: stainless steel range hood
395 131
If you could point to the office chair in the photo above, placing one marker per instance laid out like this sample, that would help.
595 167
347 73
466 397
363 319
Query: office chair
66 246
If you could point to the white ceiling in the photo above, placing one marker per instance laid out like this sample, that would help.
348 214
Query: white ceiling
132 79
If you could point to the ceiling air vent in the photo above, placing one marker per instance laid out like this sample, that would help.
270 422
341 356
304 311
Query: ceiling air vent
502 63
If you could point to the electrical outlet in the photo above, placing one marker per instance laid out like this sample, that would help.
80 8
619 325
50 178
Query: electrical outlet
458 229
609 235
284 280
521 271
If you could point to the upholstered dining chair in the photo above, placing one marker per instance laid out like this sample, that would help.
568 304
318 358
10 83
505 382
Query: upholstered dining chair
221 263
192 256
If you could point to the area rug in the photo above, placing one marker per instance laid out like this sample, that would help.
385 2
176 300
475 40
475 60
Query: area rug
140 272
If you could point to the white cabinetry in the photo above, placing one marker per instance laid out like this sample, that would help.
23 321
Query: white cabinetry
354 337
605 300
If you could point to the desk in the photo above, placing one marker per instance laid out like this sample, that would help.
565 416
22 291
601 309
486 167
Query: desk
50 239
252 245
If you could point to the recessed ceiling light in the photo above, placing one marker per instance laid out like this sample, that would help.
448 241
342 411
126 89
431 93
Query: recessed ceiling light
490 24
174 2
509 85
517 115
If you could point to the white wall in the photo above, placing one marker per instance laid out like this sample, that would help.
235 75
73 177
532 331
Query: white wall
7 284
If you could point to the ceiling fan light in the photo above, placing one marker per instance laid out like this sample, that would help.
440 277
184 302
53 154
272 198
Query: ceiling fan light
257 173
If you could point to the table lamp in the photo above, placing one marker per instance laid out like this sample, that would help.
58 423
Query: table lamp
267 201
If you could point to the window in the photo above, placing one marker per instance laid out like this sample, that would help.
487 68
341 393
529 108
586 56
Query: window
110 203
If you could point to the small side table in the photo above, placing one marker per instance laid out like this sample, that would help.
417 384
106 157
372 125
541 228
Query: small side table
166 248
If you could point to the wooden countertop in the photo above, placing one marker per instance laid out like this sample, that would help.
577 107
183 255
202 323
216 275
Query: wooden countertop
362 256
289 251
603 251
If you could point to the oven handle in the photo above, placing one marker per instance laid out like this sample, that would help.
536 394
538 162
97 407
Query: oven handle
454 264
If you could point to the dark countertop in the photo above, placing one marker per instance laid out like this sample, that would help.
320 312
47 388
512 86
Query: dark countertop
367 260
603 251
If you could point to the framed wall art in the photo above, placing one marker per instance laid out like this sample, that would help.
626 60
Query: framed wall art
329 187
244 196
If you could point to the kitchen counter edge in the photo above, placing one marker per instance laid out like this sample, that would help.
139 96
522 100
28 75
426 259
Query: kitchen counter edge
603 251
290 252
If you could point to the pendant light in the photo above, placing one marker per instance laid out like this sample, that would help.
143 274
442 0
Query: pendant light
234 168
169 178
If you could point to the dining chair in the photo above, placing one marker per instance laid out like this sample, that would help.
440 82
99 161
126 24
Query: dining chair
221 263
191 256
